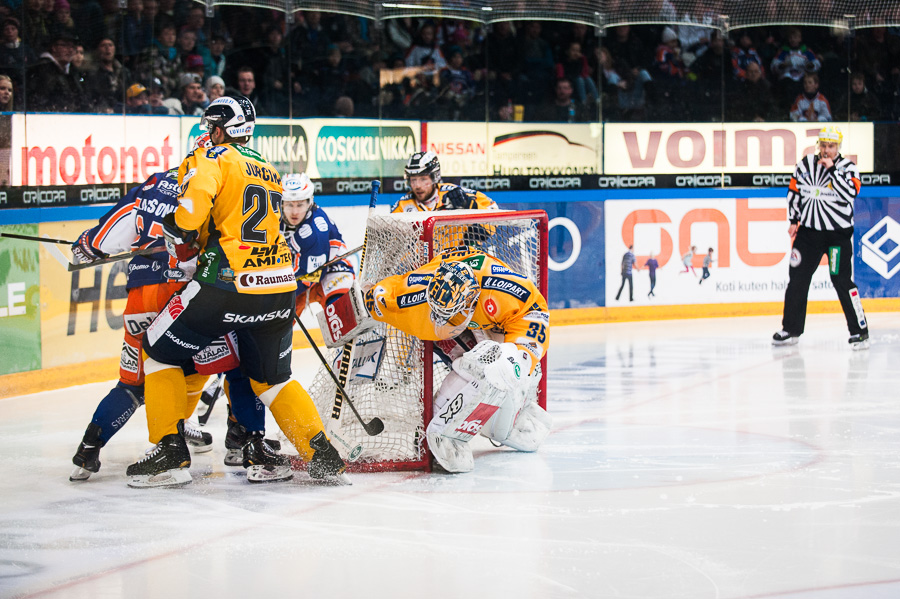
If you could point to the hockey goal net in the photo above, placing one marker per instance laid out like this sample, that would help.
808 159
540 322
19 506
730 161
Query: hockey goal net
394 376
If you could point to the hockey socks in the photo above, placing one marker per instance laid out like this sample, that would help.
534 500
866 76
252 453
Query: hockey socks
245 406
294 411
116 409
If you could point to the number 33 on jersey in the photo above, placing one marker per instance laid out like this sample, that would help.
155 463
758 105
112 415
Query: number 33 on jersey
232 197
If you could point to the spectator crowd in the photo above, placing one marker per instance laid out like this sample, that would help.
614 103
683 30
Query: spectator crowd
169 57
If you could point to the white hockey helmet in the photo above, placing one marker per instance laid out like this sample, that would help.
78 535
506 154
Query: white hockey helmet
452 295
235 114
424 163
297 187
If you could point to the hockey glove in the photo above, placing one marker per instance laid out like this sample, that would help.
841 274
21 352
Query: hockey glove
83 251
457 199
180 244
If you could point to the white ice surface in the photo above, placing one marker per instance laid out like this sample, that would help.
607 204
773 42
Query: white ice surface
687 460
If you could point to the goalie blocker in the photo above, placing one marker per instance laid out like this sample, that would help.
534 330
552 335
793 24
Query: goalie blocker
345 318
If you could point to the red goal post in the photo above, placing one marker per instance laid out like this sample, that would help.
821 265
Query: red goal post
393 376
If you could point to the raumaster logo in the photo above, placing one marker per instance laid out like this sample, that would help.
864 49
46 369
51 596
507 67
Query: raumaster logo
411 299
417 279
348 151
504 286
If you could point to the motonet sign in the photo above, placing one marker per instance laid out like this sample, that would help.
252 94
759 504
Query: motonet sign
63 149
731 148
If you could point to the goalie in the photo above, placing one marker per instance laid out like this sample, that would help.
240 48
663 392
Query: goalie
491 324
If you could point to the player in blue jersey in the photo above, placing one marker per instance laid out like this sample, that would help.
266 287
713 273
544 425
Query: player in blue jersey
314 240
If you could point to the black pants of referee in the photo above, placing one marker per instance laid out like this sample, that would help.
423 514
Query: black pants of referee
809 247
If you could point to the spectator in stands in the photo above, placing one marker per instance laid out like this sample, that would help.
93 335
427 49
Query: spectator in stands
574 67
136 101
215 88
304 95
860 104
624 45
157 99
246 84
426 52
343 107
503 64
89 22
195 21
401 34
563 107
106 80
457 84
161 60
811 105
632 94
877 55
215 62
536 65
669 76
7 101
138 30
53 85
36 25
792 62
331 79
62 22
275 72
694 32
15 54
752 99
709 69
186 42
309 39
742 55
193 98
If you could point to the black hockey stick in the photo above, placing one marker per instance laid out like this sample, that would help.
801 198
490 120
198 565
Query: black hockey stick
209 400
34 238
373 427
334 260
115 258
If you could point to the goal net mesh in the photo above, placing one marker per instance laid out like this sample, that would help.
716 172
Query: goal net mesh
387 373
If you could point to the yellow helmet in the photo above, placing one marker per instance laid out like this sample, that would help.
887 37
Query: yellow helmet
831 134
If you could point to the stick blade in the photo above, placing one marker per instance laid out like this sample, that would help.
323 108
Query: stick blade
375 427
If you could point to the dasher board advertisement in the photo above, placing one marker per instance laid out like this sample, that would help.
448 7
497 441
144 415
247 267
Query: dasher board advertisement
511 149
84 149
750 256
663 148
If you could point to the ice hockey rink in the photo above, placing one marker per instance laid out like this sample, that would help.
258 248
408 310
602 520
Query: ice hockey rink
688 459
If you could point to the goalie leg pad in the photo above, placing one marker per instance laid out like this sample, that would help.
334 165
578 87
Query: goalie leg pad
530 429
462 406
452 455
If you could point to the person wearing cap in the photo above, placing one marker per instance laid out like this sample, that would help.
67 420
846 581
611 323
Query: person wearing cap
52 84
136 101
820 208
15 54
215 88
105 81
193 98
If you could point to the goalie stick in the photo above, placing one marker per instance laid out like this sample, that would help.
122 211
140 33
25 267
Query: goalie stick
347 354
374 426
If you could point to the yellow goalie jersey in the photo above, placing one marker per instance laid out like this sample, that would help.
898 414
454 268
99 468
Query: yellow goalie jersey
509 305
469 199
231 196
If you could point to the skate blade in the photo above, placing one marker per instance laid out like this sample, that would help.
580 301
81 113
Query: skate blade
79 474
269 474
234 457
789 341
200 448
860 346
335 480
170 478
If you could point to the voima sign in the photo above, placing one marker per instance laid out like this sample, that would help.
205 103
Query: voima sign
91 149
679 149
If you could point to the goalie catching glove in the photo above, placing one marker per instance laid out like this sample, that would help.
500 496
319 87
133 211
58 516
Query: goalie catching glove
181 244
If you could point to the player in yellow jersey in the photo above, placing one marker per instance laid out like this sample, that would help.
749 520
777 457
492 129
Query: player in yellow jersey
427 191
492 386
228 211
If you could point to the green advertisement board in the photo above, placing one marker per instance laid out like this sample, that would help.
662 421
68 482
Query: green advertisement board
20 321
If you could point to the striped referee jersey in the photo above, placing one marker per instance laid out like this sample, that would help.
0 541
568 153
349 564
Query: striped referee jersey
820 198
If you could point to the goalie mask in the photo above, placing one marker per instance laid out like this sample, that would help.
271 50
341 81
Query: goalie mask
297 199
235 114
452 295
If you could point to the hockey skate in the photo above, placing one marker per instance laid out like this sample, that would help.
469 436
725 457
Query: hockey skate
784 338
166 465
87 457
858 342
262 463
326 464
235 439
199 441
